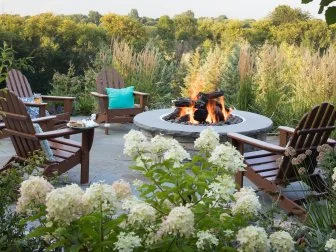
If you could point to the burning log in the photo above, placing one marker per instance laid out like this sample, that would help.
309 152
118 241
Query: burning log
183 102
219 114
184 118
215 94
172 115
200 115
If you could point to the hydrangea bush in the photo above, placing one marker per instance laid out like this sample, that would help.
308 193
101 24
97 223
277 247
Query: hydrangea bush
188 203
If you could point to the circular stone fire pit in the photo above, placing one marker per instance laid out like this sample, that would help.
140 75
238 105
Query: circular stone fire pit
252 124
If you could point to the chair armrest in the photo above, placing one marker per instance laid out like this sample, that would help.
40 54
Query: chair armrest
46 122
56 133
57 98
143 98
140 93
99 95
286 129
241 139
43 119
284 134
32 104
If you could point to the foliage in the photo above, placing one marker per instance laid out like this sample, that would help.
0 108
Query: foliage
12 232
330 13
8 61
146 70
124 27
77 86
203 74
186 205
285 14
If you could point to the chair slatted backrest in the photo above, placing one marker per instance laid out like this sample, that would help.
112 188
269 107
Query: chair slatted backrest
312 131
18 124
18 84
109 77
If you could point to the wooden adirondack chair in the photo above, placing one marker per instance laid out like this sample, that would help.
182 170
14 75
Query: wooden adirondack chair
109 77
267 174
19 85
19 126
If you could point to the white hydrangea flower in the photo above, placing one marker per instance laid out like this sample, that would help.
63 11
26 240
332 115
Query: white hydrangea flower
247 202
100 195
122 189
145 160
330 245
252 238
160 144
135 143
141 213
282 241
206 240
225 156
208 140
33 192
284 225
130 202
127 242
66 204
180 221
176 153
221 189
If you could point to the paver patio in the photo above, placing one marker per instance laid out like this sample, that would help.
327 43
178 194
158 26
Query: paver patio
107 161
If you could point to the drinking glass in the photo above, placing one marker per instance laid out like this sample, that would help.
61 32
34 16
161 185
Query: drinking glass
37 98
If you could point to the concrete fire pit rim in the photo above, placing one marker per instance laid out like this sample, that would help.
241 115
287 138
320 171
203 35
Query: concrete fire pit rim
152 121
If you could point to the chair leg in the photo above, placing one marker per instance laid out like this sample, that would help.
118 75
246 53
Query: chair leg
239 179
106 130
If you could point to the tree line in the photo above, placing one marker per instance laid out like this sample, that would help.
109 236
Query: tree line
57 41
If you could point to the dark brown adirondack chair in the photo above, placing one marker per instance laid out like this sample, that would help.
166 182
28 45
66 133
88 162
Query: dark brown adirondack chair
19 126
267 174
19 85
109 77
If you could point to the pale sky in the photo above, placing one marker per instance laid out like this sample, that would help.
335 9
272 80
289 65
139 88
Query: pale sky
241 9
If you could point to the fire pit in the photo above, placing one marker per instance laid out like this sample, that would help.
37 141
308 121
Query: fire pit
152 123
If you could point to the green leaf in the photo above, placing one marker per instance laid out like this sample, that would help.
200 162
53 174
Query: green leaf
306 1
40 231
323 4
331 15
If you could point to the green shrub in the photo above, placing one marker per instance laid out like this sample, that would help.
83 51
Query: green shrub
77 86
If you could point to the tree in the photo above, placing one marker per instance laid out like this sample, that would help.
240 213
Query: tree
185 26
123 27
94 17
134 14
165 28
285 14
330 13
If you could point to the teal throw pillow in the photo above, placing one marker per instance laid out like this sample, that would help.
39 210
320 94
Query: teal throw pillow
45 145
120 98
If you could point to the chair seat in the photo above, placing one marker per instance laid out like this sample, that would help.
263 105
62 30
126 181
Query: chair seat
62 149
263 163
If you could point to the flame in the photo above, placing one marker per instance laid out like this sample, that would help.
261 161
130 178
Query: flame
215 107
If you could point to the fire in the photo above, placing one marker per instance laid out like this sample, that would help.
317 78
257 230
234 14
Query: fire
201 106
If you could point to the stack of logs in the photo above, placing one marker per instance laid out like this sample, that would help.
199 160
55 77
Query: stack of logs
200 105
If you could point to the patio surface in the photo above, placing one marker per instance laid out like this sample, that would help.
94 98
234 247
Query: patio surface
107 161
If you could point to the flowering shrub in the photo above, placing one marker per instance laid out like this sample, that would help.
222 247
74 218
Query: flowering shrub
189 203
